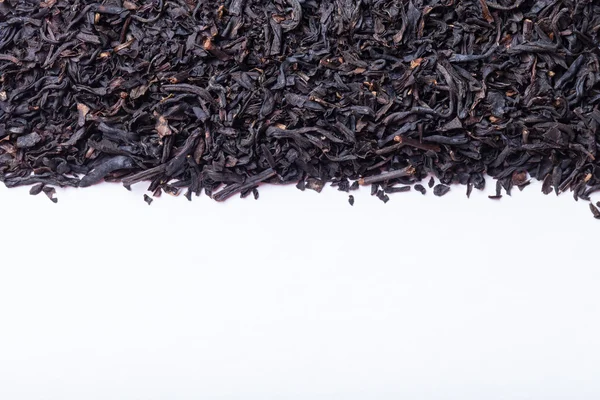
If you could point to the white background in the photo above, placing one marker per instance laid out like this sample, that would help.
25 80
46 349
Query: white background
298 296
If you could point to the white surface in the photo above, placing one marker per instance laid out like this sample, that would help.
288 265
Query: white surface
298 296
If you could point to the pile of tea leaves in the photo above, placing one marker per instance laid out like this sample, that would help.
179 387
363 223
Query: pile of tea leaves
221 96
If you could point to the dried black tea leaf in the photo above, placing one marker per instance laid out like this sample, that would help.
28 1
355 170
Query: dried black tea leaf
382 196
431 182
519 178
36 189
498 194
50 192
148 199
171 190
351 200
374 189
595 211
440 190
547 184
343 185
315 184
420 188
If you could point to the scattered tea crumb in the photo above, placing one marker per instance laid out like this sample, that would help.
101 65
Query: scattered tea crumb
440 190
595 211
420 188
148 199
351 200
